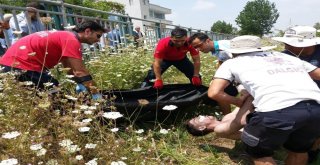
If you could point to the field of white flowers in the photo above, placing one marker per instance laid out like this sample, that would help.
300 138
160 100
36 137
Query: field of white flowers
41 127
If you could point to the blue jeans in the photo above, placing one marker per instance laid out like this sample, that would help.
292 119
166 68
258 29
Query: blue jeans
34 76
184 65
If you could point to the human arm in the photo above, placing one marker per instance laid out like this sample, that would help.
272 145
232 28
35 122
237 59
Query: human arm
196 64
79 70
315 74
232 123
157 68
216 92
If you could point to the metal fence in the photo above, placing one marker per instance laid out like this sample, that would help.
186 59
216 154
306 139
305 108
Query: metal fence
120 27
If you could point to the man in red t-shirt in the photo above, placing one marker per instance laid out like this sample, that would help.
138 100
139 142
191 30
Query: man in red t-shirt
172 51
38 52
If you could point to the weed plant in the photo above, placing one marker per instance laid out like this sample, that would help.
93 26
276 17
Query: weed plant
58 126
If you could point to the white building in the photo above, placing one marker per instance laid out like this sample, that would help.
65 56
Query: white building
144 10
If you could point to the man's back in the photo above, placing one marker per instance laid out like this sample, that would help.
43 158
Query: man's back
274 79
46 47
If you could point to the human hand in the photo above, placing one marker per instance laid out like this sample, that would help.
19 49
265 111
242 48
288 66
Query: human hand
80 88
158 84
196 81
97 96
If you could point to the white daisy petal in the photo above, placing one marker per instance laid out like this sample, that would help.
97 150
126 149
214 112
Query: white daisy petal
86 120
84 129
11 161
79 157
36 147
114 129
139 131
169 107
90 146
65 143
164 131
112 115
137 149
11 135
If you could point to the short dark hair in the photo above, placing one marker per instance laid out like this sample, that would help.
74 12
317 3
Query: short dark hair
195 132
81 27
201 36
35 5
178 32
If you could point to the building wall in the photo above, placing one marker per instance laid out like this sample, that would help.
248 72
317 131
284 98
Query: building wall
141 9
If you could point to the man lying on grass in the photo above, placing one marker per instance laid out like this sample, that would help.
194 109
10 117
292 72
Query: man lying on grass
229 127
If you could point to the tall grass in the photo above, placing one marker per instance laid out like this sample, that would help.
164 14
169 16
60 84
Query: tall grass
45 127
41 127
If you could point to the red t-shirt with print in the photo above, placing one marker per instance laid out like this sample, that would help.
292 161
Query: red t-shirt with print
43 49
165 50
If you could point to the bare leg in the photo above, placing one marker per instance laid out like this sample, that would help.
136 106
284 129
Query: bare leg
294 158
264 161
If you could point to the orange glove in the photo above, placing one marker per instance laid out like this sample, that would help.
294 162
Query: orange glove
158 84
196 81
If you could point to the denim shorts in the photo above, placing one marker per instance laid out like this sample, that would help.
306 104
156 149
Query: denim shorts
295 128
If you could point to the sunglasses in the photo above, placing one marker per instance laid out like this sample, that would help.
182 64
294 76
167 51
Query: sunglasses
99 35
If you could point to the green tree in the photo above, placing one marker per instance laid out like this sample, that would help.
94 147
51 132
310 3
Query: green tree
100 5
257 17
222 27
104 6
317 26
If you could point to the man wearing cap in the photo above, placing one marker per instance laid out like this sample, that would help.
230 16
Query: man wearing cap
301 42
4 25
32 56
172 51
31 13
286 100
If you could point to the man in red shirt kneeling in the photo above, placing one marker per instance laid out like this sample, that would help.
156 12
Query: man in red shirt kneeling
33 55
172 51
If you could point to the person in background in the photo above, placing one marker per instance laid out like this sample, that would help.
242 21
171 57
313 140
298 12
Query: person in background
22 18
137 36
114 37
4 25
172 51
33 55
203 43
286 100
302 42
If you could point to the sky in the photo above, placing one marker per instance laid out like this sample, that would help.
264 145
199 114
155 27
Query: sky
201 14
